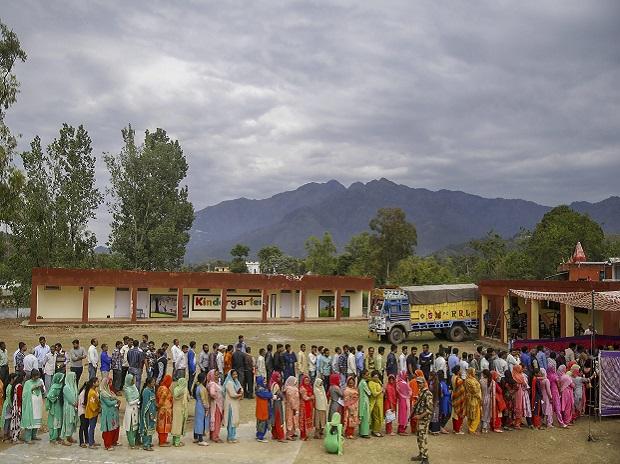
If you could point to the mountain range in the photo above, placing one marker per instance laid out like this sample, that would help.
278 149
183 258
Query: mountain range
442 217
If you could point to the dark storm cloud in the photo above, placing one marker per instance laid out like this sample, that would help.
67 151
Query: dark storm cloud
495 98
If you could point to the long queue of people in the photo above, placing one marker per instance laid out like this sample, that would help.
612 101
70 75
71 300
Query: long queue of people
306 394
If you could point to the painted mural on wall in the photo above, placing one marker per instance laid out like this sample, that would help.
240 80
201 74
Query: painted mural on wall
213 302
165 306
327 306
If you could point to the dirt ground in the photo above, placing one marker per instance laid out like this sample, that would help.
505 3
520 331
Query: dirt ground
512 447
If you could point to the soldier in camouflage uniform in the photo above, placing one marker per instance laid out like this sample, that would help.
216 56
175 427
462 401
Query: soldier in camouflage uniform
423 412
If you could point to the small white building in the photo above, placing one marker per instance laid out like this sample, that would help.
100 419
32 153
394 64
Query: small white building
253 267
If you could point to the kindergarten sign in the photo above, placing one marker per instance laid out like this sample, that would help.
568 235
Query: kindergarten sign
213 302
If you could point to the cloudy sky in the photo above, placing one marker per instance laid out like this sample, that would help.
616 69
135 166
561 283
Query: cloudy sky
498 98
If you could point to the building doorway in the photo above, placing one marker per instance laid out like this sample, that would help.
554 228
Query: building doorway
286 304
122 303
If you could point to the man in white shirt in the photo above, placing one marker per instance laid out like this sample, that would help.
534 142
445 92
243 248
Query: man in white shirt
501 365
464 365
512 359
351 367
181 363
177 353
30 363
40 351
440 364
49 368
93 359
484 363
402 360
127 341
261 368
312 356
302 361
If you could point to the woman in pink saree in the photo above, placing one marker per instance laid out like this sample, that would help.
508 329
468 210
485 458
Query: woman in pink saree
216 405
555 394
547 398
403 393
565 385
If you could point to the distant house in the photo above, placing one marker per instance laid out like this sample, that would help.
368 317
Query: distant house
253 267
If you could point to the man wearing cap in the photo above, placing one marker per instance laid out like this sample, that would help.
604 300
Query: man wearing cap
422 412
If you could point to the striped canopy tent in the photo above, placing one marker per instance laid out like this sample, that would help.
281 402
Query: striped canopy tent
603 301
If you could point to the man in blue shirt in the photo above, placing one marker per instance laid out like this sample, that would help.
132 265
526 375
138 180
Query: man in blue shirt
526 360
391 364
453 359
359 360
191 364
541 357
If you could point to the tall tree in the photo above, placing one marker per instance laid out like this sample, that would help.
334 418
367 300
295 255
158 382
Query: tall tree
150 210
59 198
394 239
240 255
555 236
11 178
360 257
321 255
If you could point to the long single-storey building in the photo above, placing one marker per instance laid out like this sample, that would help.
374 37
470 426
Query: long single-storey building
91 295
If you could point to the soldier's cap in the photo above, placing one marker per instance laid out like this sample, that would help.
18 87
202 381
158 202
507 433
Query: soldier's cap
420 380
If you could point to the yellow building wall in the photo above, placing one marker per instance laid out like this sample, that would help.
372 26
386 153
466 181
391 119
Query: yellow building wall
65 303
243 314
101 302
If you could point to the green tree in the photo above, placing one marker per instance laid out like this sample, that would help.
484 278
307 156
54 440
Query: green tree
555 236
415 270
11 178
59 198
240 255
321 255
274 261
394 239
611 246
150 210
360 257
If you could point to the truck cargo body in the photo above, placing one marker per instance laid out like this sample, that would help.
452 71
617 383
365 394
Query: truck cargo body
449 311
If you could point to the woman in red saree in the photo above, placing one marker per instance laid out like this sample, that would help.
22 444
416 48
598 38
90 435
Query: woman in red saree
403 394
458 400
389 405
498 405
351 398
277 428
164 410
306 408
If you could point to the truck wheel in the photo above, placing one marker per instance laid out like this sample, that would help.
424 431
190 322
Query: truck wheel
397 335
456 333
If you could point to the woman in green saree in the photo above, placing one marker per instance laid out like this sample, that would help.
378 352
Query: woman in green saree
53 406
334 440
109 415
364 405
131 422
32 407
148 414
70 418
180 401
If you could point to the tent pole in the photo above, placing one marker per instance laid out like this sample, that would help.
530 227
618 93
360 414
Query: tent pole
593 406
